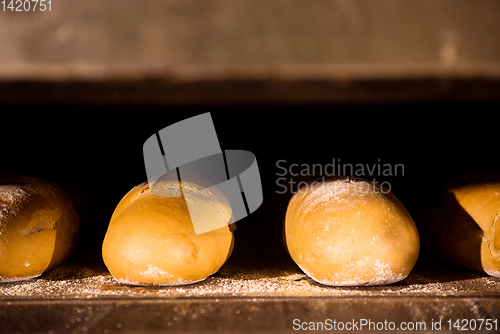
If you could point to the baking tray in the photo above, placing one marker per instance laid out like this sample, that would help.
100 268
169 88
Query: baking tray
245 296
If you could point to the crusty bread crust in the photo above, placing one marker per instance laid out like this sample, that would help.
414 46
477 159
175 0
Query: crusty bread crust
464 228
151 240
38 226
348 232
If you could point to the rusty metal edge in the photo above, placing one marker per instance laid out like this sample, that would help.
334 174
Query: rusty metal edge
235 316
214 73
276 84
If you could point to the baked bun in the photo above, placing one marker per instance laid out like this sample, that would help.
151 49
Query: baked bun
348 231
464 230
38 227
151 239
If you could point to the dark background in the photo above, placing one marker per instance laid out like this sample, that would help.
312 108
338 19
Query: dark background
96 153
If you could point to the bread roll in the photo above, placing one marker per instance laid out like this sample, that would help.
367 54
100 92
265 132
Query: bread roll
38 227
464 230
348 231
151 239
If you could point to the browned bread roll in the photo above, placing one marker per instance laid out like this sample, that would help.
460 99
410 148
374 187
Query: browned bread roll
348 231
38 227
464 229
151 239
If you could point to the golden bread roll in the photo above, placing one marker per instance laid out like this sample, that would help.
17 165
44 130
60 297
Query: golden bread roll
38 227
151 239
348 231
464 230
